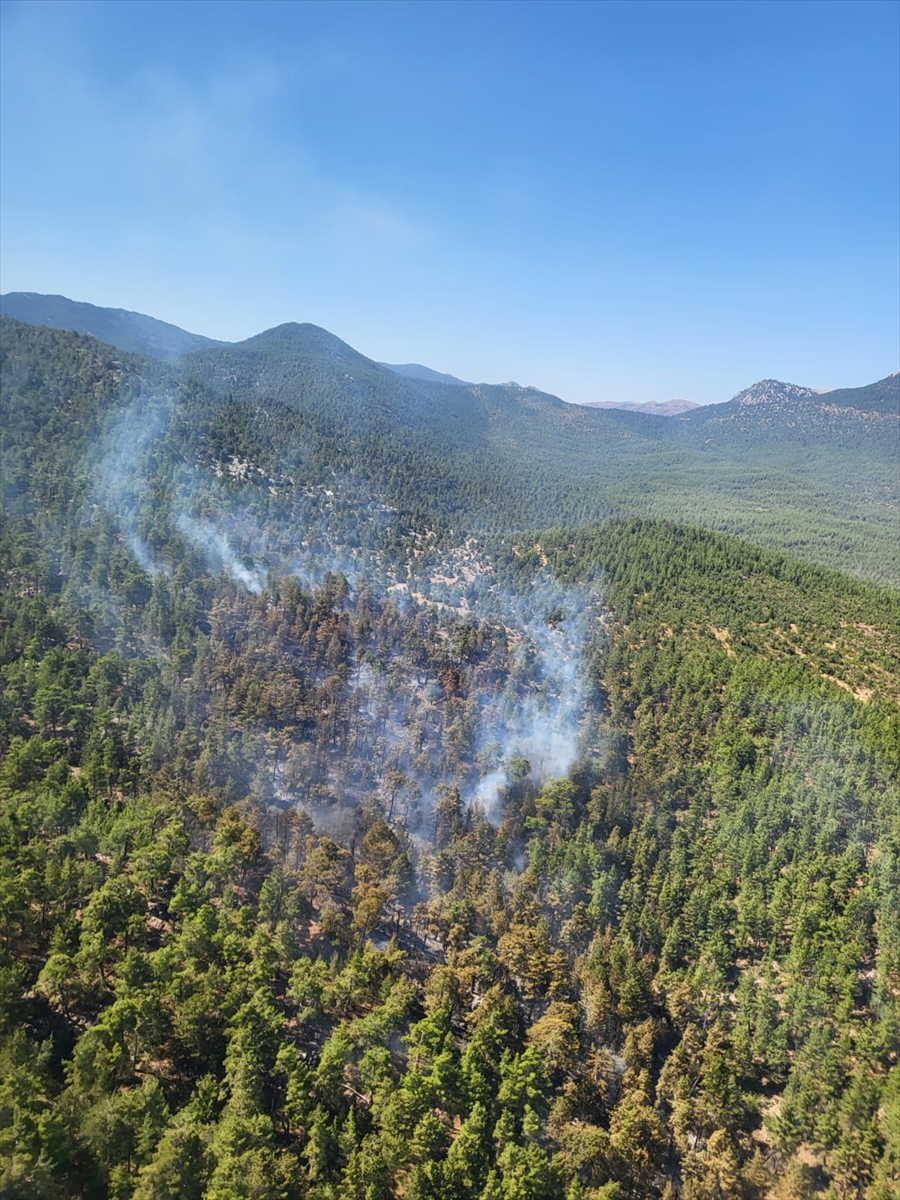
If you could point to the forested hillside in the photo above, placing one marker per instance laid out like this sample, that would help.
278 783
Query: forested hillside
300 410
130 331
362 838
679 967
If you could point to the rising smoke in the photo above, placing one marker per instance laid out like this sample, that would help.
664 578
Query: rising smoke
126 448
255 528
540 717
218 552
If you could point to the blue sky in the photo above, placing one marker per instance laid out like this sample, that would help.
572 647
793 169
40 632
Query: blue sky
609 201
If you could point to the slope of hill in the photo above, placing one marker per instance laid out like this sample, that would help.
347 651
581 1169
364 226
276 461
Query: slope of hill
881 397
302 406
503 455
846 443
770 405
417 371
256 941
130 331
313 371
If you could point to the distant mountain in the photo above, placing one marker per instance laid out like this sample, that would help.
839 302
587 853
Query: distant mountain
129 331
495 456
313 371
773 391
656 408
785 466
417 371
772 405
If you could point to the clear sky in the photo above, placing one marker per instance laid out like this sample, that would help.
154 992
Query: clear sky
610 201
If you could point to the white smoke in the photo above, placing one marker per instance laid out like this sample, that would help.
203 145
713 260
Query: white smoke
214 545
541 719
120 478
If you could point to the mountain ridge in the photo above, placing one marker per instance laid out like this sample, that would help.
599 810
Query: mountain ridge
817 476
131 331
138 333
418 371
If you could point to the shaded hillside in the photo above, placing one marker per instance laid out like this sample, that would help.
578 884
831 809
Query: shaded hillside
881 397
310 369
130 331
417 371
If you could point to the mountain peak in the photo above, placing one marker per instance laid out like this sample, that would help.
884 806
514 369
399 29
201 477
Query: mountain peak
295 338
768 390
